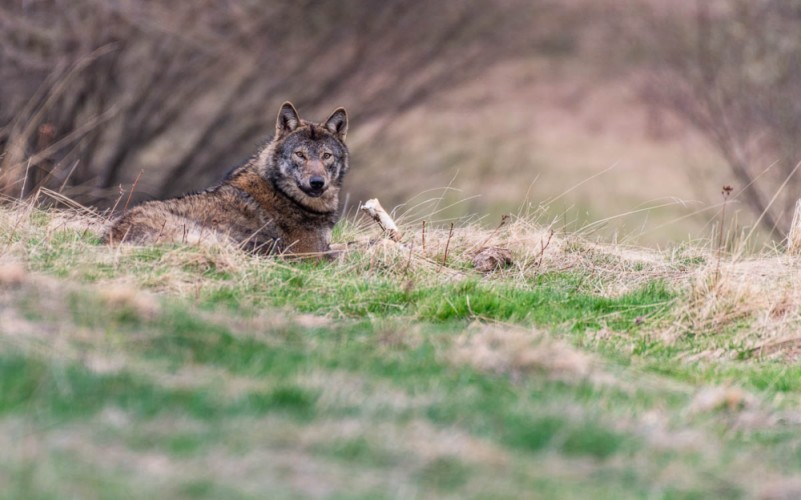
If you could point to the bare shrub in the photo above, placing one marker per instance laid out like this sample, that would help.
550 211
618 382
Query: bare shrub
94 92
732 70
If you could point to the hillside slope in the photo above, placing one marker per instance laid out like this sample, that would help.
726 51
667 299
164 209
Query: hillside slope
395 371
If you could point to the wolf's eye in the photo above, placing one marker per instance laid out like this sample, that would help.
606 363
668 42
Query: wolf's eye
327 156
300 155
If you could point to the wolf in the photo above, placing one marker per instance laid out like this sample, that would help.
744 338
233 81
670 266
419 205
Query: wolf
283 200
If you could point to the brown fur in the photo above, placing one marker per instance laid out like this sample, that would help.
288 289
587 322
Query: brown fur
285 199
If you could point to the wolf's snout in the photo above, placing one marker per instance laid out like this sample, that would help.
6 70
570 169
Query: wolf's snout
314 186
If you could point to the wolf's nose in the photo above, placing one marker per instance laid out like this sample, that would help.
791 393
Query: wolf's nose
316 182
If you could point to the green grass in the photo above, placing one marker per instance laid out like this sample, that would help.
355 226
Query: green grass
188 373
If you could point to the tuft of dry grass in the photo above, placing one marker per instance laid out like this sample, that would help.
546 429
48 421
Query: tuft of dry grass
518 353
12 274
731 399
526 249
758 297
120 296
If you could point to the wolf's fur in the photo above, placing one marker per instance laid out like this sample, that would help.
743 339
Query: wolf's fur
284 199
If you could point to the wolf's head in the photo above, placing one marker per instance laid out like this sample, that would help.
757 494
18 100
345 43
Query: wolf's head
308 161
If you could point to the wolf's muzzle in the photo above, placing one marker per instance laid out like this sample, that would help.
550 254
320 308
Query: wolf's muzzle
315 188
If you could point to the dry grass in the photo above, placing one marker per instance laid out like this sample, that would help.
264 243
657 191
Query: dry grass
518 353
50 258
538 130
756 295
535 247
12 274
762 288
757 298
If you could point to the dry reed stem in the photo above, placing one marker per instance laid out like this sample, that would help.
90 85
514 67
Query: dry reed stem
133 188
423 232
447 246
504 219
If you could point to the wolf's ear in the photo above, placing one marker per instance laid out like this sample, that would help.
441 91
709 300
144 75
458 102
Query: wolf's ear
288 119
337 123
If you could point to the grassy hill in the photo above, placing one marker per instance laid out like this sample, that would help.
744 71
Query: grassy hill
396 371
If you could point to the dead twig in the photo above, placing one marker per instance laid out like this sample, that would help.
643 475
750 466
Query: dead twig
543 246
504 219
409 260
119 199
133 188
725 192
424 238
447 246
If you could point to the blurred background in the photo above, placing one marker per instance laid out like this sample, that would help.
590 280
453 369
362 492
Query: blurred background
624 117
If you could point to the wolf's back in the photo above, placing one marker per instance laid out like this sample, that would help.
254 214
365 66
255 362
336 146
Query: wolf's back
150 223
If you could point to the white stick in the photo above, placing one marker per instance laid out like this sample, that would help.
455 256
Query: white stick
377 212
794 237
